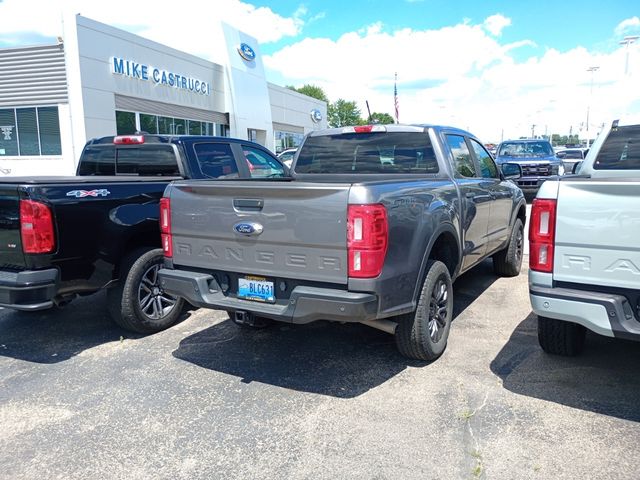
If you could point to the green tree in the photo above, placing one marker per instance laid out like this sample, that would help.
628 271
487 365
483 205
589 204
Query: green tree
312 91
342 113
382 118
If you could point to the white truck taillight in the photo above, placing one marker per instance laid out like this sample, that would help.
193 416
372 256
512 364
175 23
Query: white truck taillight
542 233
367 239
165 227
36 227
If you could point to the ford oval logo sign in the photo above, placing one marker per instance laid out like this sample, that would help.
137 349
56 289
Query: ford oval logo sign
247 52
248 228
316 115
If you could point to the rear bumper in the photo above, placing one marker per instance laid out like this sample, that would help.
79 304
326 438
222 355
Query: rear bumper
304 305
28 290
607 314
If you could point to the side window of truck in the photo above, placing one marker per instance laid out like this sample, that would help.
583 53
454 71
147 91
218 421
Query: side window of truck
463 162
488 168
261 165
216 160
621 150
98 160
147 160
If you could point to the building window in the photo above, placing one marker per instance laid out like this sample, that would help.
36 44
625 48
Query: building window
128 123
32 131
125 123
286 140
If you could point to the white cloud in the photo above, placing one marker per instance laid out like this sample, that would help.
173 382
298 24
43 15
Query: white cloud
629 25
186 28
462 75
496 23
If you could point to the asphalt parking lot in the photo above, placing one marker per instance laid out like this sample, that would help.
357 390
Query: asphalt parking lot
81 398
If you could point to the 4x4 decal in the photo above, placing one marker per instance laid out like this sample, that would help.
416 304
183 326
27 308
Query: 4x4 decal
103 192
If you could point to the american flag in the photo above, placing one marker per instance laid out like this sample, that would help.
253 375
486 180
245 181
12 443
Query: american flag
395 98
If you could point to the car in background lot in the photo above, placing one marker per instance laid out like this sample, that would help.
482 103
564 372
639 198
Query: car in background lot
536 158
286 156
571 156
584 270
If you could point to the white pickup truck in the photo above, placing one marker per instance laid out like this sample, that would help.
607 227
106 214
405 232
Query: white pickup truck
585 246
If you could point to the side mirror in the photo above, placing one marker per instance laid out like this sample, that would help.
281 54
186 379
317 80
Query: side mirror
511 171
576 167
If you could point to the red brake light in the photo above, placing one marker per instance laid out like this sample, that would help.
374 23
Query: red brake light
367 239
128 139
363 129
36 227
542 235
165 227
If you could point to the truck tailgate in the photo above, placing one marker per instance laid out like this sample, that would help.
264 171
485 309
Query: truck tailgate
10 241
304 233
597 231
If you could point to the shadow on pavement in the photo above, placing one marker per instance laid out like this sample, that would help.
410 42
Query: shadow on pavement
604 379
56 335
340 360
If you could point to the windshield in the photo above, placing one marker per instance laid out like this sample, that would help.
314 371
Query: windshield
525 149
397 152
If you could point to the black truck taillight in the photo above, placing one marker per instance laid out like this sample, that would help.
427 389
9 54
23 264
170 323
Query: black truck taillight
165 227
36 227
367 239
542 235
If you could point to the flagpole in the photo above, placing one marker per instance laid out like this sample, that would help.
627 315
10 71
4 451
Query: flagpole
395 97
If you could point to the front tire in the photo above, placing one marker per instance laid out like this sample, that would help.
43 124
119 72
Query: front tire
423 334
507 262
560 338
139 303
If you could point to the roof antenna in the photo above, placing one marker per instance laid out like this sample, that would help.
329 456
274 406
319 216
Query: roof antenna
369 111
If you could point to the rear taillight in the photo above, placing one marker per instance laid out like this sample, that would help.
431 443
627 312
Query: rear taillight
165 227
367 240
542 234
36 227
128 140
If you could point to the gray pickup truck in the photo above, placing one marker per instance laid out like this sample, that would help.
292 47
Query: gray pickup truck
584 249
372 227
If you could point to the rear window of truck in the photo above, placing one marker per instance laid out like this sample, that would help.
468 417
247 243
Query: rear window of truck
621 150
395 152
147 160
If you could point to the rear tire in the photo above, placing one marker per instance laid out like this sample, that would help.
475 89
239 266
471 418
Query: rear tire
139 303
558 337
423 334
507 262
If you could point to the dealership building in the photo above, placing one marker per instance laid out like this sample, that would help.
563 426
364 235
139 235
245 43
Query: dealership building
99 80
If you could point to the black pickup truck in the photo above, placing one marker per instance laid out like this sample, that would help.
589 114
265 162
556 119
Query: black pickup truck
66 236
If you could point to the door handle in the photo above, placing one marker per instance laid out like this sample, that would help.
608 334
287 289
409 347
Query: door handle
248 204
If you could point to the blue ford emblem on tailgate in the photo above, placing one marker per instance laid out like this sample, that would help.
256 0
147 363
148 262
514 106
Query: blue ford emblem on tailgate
249 228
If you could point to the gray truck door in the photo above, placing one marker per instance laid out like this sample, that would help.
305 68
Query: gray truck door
475 208
502 203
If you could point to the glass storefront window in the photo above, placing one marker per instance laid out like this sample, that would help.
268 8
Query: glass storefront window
165 125
125 123
32 131
179 126
284 140
195 127
148 123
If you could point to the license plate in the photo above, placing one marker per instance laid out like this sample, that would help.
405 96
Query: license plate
256 288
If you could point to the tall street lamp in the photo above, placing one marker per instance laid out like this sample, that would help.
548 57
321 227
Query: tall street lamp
592 70
626 41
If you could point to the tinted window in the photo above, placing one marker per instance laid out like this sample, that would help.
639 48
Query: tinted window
98 161
261 164
147 160
49 131
8 137
462 158
488 169
216 160
621 150
368 153
28 131
526 149
125 123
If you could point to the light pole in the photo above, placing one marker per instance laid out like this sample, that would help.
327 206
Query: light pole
592 70
626 41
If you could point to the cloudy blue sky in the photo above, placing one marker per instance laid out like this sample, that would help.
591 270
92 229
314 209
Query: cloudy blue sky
494 67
